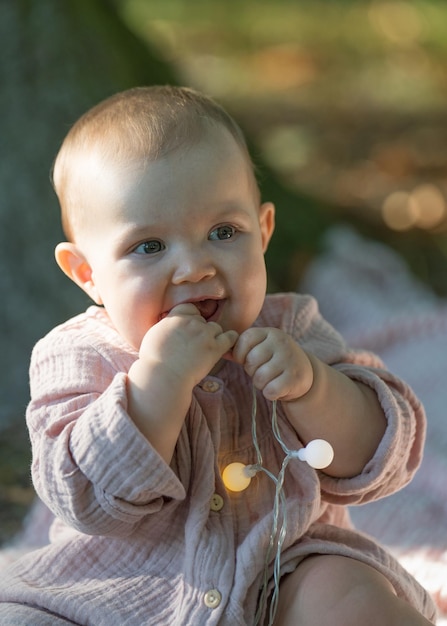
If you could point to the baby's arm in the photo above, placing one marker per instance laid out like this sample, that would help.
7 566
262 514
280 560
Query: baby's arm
92 467
320 401
174 356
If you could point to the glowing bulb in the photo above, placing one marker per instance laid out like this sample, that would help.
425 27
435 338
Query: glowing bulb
237 476
318 453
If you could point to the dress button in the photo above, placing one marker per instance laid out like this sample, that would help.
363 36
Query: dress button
216 503
211 386
212 598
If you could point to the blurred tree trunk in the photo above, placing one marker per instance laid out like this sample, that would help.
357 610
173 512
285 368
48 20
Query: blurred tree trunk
59 57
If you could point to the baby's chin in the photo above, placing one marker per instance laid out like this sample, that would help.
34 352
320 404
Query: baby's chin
134 341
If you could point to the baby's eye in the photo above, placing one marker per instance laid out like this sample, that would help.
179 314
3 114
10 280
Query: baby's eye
222 232
150 247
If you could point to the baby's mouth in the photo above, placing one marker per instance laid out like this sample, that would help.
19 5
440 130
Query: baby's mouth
207 308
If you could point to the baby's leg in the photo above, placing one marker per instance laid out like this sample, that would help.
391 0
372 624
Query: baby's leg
12 614
328 590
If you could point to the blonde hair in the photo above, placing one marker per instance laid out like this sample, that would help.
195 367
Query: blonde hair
140 123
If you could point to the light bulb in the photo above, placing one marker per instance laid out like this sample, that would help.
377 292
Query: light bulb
237 476
318 453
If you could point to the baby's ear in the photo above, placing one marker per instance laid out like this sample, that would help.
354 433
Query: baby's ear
266 222
74 264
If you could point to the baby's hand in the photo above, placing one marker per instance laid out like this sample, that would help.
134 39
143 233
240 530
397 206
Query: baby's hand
276 363
186 344
175 354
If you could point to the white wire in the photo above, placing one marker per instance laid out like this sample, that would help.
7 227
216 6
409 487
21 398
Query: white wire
279 511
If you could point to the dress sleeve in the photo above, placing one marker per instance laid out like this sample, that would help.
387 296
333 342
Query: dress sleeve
399 453
91 466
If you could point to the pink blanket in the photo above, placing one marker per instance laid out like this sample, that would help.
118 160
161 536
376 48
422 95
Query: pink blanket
367 293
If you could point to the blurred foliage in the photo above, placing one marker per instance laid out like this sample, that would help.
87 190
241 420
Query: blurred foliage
344 99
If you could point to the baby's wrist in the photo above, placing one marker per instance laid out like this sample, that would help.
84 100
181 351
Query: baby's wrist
162 374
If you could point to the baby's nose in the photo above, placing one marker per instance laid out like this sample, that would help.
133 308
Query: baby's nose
193 267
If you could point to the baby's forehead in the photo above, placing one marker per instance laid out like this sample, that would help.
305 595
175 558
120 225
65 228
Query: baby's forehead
109 156
102 175
184 172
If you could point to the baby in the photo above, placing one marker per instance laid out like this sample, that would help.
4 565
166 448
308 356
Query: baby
140 403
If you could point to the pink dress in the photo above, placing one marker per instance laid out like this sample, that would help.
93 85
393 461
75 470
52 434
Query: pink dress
139 542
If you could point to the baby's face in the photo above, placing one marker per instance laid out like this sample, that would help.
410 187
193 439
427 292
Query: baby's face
185 228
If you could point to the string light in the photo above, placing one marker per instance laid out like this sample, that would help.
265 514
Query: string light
318 453
237 477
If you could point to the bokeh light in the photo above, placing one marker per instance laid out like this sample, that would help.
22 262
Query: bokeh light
424 208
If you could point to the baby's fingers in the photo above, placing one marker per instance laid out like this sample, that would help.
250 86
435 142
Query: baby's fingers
271 379
278 388
187 308
226 341
245 351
